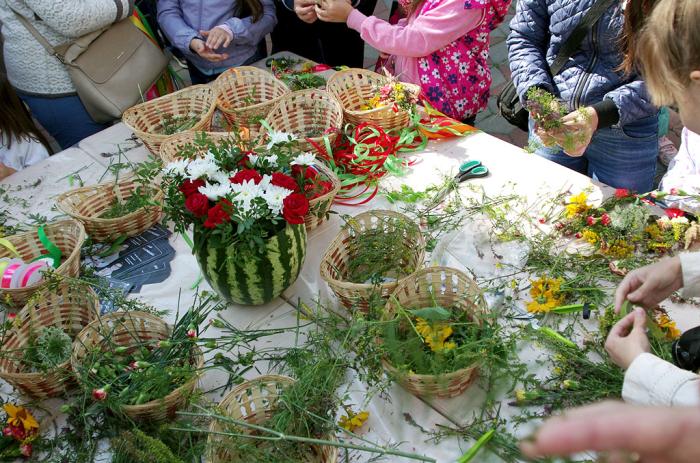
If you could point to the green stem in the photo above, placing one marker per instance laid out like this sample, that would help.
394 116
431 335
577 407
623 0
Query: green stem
483 440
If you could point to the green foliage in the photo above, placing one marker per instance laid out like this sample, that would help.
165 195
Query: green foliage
51 348
135 446
171 124
144 175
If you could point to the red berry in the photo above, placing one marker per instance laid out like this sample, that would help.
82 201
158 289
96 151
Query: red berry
578 235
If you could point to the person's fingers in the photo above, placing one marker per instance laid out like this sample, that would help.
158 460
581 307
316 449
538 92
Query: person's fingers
622 328
640 320
607 426
227 42
204 33
628 284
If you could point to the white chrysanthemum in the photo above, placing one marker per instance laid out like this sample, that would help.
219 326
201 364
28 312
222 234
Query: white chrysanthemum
221 177
245 193
253 158
214 192
304 159
272 160
178 167
202 168
265 182
278 137
274 196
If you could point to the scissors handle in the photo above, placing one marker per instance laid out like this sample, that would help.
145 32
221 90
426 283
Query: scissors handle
469 165
476 172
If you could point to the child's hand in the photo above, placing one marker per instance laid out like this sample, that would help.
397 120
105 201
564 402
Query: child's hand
577 130
217 37
334 11
5 171
628 339
306 10
649 285
198 46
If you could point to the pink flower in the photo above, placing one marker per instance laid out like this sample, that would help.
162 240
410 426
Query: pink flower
590 220
191 333
674 191
542 220
605 219
7 431
26 450
99 394
11 316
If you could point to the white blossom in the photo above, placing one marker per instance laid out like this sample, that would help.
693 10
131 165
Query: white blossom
265 182
178 167
245 193
274 196
305 159
278 137
221 176
253 158
202 168
272 160
214 192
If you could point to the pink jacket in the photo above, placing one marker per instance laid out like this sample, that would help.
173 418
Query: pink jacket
440 34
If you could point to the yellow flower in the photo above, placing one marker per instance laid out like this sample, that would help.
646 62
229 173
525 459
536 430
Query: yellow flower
546 295
352 420
668 326
20 416
590 236
435 335
619 249
577 204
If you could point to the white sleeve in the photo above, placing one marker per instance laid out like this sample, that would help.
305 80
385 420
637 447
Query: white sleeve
690 266
684 173
652 381
22 153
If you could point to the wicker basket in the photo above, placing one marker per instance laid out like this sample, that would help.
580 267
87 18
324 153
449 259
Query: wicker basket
354 87
66 308
131 330
319 207
307 112
67 235
170 149
146 119
335 262
88 203
445 287
254 402
246 94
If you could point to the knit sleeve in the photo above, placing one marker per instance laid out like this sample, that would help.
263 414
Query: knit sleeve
75 18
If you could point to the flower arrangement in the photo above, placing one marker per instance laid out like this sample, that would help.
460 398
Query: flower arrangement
242 195
392 93
21 429
546 295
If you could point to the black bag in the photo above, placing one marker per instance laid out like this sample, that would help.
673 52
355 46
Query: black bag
508 101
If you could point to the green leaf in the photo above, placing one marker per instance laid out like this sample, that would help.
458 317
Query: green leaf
432 313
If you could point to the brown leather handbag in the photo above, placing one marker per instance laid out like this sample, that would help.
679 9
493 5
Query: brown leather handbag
110 68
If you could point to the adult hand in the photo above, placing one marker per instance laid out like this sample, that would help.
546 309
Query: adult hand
217 37
647 286
200 47
577 130
305 10
334 11
625 432
547 140
628 339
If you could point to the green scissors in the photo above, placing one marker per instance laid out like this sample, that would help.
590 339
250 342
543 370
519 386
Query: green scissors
471 169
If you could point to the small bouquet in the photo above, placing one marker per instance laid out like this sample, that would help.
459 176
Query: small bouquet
21 429
393 93
241 196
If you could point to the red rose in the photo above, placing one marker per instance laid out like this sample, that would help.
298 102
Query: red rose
672 213
295 208
190 187
246 175
285 181
309 173
217 215
198 204
621 193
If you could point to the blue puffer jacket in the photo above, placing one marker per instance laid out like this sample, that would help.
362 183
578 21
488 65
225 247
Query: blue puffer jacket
590 78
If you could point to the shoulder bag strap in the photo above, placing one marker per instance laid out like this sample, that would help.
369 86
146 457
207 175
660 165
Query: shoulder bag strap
39 38
574 41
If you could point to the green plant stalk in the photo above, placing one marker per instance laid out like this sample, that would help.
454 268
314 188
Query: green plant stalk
557 337
471 453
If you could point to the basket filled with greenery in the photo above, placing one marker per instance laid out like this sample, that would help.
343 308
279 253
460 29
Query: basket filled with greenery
57 243
258 403
245 95
368 97
307 115
174 147
136 365
434 332
370 256
187 110
37 342
121 208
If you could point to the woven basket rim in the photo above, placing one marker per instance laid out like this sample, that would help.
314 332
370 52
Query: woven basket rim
366 112
325 274
100 188
61 268
188 138
232 71
159 137
324 95
332 177
481 304
15 332
197 356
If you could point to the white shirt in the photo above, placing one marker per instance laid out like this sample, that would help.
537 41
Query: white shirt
684 173
652 381
22 153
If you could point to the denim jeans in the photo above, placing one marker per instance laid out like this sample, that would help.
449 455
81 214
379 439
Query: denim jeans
65 118
620 157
